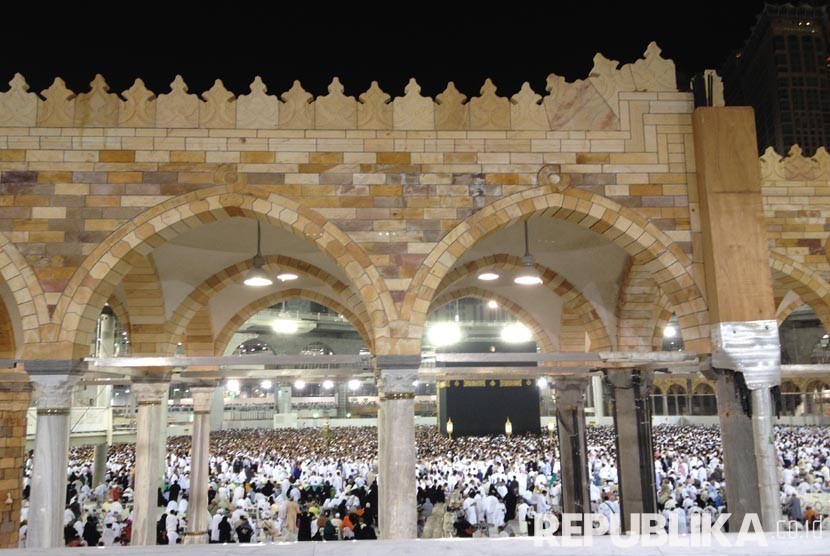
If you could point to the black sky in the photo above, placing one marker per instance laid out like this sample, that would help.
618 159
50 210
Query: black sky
434 43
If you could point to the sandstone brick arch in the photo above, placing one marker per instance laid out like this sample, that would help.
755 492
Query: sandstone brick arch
813 290
784 310
31 310
646 244
144 299
120 312
575 303
202 294
224 336
106 266
543 340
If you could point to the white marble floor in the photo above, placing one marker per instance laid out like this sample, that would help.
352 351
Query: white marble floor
769 545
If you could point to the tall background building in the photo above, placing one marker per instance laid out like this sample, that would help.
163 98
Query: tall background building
783 71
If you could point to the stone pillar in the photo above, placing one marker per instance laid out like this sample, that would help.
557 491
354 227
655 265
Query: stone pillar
149 396
599 400
635 455
740 298
99 464
198 518
570 427
47 502
217 409
283 402
15 395
342 399
396 395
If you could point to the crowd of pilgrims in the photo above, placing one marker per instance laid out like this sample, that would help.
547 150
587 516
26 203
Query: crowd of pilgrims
299 484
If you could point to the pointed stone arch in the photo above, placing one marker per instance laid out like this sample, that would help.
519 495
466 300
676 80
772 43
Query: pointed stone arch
29 312
106 266
202 294
575 304
226 333
632 232
543 340
813 290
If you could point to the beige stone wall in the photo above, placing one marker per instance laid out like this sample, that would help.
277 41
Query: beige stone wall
90 183
796 194
15 393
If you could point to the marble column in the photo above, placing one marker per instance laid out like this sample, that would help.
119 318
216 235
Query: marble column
47 502
149 396
599 400
570 427
99 464
635 455
198 518
397 446
217 409
283 401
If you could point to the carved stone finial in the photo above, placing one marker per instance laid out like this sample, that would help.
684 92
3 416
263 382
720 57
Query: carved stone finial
374 110
653 72
489 111
219 108
139 107
526 110
335 110
18 107
412 111
451 112
257 109
97 107
297 112
58 107
177 108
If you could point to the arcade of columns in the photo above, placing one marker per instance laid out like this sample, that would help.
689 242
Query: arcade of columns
395 194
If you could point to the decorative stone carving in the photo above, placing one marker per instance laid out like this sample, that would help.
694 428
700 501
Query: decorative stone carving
397 381
451 112
335 110
97 108
202 397
177 108
257 110
57 109
570 391
653 72
550 175
577 106
795 166
53 391
219 108
18 107
413 111
139 107
374 110
526 110
609 79
489 111
297 110
149 392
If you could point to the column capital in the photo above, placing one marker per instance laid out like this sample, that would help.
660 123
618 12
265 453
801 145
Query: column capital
149 393
54 391
395 383
391 362
570 390
628 378
202 398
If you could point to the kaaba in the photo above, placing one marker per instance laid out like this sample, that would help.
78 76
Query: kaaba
481 407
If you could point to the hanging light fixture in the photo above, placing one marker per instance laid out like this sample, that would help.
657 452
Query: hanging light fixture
528 275
257 277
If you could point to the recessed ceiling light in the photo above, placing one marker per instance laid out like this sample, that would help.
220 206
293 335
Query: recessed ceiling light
286 277
488 276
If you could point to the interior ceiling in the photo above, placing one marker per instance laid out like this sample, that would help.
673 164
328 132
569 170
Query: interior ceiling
587 260
192 257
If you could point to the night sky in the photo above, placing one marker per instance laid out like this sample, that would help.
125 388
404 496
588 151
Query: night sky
313 43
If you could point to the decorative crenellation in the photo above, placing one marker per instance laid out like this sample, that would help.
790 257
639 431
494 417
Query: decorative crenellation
591 104
795 166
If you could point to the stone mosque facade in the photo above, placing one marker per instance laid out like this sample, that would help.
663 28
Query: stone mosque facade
641 208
